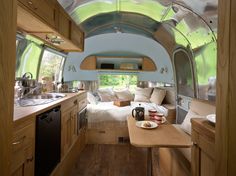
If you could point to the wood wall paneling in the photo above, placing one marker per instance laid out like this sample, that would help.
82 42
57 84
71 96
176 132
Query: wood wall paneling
226 96
232 93
7 70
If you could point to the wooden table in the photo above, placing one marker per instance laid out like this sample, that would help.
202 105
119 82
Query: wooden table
165 135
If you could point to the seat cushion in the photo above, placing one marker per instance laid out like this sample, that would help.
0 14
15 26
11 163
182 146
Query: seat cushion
185 151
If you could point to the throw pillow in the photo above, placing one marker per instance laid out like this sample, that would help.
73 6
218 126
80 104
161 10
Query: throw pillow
91 98
106 94
142 94
124 94
158 96
186 124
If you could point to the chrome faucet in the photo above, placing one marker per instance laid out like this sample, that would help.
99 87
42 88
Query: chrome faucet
30 91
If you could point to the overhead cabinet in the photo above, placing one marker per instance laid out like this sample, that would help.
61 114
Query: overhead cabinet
44 9
48 21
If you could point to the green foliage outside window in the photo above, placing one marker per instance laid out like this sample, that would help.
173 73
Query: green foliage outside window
29 60
118 81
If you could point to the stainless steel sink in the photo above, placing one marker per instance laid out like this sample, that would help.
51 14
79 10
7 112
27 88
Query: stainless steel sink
33 100
46 96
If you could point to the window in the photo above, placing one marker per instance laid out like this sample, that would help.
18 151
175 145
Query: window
27 54
205 59
118 81
51 65
184 76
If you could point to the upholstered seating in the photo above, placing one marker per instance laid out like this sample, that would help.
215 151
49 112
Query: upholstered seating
174 161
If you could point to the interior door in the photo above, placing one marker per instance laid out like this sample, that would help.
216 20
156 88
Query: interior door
185 82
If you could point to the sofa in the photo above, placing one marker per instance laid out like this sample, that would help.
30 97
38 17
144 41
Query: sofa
177 161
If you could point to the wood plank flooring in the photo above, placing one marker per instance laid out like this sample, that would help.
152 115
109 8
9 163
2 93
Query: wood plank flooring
112 160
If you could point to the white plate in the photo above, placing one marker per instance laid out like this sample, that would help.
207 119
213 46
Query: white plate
140 124
211 118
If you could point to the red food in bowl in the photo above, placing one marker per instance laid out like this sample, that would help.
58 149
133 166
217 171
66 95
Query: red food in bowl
152 111
159 118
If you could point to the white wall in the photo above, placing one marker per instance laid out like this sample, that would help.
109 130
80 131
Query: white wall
119 43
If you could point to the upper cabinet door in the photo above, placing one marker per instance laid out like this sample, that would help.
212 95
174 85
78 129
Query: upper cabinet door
77 36
64 24
45 9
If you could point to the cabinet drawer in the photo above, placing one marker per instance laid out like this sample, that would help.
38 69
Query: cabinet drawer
23 137
82 104
69 104
45 9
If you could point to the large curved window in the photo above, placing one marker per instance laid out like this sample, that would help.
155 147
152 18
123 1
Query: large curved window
28 60
205 60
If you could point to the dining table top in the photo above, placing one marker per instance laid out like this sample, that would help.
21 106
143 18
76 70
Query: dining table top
164 135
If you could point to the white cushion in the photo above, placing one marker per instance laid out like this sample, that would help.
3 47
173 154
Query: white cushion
124 94
186 125
158 96
106 94
91 98
142 94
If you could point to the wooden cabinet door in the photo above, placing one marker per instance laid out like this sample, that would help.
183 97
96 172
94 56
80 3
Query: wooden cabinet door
26 167
45 9
66 132
64 24
77 36
74 124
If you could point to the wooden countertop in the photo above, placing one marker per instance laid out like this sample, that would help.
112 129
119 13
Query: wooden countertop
203 126
23 113
165 135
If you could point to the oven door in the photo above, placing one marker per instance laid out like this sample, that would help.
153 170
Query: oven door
81 120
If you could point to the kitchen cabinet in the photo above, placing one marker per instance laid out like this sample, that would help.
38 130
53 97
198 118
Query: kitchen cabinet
76 36
23 149
64 23
47 21
203 149
44 9
68 125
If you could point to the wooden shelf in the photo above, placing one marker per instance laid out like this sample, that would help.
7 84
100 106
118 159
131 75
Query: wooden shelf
92 63
119 70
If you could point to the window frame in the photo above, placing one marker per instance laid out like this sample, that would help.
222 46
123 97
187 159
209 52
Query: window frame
62 65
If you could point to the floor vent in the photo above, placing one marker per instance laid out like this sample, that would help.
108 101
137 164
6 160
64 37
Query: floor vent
123 140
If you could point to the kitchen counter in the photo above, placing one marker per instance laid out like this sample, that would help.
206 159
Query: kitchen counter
22 114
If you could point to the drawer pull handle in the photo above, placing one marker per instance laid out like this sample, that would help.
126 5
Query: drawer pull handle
30 159
20 141
32 4
75 102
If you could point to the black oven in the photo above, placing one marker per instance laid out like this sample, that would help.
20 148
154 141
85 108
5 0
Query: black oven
81 120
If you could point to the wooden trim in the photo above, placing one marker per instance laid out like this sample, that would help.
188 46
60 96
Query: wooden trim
226 97
89 63
7 70
148 64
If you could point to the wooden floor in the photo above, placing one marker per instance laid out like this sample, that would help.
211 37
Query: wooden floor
112 160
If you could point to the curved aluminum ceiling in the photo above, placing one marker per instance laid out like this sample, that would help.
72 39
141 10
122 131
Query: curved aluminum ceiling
190 22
